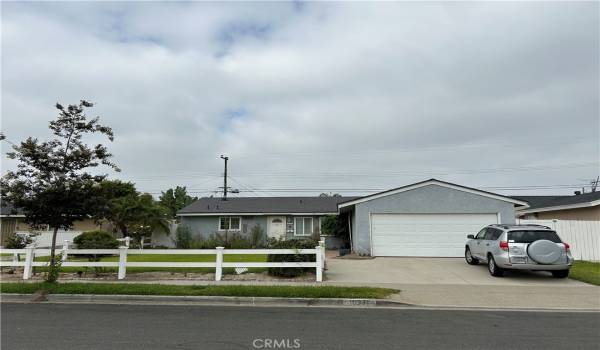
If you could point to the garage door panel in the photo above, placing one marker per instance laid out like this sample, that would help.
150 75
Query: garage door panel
425 234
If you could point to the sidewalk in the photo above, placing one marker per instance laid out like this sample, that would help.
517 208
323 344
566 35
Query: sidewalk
578 297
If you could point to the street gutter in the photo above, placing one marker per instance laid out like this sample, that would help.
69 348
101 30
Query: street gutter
256 302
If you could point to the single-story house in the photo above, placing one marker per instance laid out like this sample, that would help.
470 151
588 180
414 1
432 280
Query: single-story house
584 206
429 218
12 220
278 217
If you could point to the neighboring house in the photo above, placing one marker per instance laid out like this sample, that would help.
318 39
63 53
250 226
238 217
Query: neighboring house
13 220
585 206
430 218
278 217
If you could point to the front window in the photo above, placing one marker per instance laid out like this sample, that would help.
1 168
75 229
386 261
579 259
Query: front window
304 227
233 223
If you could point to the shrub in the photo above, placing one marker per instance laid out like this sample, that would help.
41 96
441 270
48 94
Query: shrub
335 225
290 244
236 241
233 241
183 237
257 237
96 240
15 241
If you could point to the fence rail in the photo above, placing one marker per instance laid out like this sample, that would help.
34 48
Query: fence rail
124 251
583 236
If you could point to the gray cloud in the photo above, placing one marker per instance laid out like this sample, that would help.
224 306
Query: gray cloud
324 95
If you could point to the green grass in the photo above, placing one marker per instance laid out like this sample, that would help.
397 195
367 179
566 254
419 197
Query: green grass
586 271
208 290
165 258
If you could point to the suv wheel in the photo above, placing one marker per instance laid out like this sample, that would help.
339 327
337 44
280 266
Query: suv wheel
493 268
471 260
560 273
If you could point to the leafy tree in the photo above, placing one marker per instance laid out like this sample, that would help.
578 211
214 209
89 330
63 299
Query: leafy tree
52 184
148 216
112 196
176 199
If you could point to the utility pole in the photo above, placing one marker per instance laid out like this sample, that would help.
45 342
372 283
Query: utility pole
225 178
595 183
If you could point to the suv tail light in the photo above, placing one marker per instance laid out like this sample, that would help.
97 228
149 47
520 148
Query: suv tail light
504 245
567 247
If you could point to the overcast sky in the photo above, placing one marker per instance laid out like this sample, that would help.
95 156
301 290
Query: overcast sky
341 97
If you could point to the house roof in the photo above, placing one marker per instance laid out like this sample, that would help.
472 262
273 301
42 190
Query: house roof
433 182
550 203
7 209
264 205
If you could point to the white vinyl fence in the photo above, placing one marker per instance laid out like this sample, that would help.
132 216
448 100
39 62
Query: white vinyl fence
582 236
44 238
123 264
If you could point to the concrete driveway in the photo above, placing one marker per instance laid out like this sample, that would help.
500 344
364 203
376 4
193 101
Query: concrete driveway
450 282
432 271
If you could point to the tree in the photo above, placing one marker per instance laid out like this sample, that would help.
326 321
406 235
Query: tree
176 199
149 216
51 183
112 197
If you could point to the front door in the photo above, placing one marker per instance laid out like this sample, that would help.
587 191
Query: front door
276 227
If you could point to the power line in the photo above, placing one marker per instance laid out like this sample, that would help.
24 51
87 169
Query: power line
380 173
367 190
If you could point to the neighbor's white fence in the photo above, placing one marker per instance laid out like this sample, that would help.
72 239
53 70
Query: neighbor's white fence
44 238
582 236
124 251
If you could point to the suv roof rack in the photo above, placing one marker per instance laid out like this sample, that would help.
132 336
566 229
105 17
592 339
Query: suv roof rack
537 225
500 225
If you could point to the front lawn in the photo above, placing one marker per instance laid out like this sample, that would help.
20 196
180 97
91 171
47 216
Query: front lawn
586 271
207 290
164 258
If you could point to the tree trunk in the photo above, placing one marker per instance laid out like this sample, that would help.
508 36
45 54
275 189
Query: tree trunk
53 247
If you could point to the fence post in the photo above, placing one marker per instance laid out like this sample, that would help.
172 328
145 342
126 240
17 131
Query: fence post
64 250
319 267
28 262
322 245
219 267
127 239
122 262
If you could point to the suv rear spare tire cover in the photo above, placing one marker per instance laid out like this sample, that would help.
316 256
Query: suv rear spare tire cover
544 251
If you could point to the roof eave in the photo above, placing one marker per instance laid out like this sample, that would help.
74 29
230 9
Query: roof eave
560 207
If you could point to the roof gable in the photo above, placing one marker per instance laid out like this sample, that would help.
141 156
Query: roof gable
433 182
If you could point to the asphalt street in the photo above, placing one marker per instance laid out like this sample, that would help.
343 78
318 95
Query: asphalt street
130 327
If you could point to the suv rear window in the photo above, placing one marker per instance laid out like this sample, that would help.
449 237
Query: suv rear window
532 236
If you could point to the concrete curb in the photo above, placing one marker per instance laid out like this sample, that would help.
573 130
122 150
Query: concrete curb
200 300
257 302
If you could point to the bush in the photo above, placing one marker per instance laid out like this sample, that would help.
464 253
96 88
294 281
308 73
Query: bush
291 244
233 241
183 237
257 237
15 241
96 240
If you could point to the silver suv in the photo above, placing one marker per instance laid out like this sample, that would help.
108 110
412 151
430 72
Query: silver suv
521 247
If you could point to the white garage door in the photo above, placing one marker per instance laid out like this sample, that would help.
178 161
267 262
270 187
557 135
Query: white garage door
442 235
